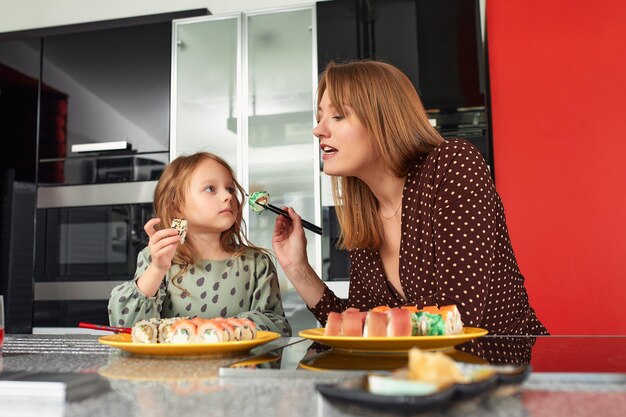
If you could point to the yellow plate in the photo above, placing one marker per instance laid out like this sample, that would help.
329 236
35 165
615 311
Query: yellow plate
392 344
124 342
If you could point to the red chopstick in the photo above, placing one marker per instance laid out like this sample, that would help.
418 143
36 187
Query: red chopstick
106 328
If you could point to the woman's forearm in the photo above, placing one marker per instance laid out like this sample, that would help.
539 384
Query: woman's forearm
307 283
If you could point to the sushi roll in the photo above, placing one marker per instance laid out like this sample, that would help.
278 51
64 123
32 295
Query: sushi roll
399 324
351 323
237 327
333 324
184 332
375 324
227 327
210 331
262 197
145 331
248 329
165 330
427 324
452 318
181 227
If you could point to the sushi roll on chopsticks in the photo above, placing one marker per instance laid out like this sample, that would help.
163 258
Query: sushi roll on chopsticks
261 197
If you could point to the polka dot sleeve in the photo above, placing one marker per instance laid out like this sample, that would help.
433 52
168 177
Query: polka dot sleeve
266 308
128 305
464 223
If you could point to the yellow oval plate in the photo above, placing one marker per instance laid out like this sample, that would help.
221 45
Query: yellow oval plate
123 341
392 344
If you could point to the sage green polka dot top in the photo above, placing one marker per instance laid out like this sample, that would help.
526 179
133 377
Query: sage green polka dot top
245 287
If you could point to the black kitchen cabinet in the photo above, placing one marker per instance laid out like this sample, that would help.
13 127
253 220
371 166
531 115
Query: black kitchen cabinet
79 84
437 43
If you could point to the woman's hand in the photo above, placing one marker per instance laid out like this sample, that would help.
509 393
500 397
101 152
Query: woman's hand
288 241
162 244
289 245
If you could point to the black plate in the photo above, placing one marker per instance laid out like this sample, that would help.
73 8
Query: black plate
362 398
356 393
513 374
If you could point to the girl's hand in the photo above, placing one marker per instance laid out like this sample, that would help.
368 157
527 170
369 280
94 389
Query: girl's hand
288 241
162 244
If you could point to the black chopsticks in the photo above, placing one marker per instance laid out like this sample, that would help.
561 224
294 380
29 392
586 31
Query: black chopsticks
305 224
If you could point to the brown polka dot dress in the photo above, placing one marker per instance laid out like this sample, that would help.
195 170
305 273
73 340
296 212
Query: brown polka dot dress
245 286
455 249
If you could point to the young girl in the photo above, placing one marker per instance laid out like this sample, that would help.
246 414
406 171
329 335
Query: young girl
215 271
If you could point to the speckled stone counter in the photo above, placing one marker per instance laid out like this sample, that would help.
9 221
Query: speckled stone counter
267 383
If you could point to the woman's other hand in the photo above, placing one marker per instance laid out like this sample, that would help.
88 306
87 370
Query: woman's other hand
289 245
162 244
288 241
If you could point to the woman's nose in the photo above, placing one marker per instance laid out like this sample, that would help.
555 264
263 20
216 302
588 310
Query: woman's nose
319 131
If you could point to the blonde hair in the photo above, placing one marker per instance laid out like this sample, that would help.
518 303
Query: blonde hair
385 102
169 199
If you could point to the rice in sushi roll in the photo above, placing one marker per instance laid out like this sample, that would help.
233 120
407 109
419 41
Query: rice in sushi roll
145 331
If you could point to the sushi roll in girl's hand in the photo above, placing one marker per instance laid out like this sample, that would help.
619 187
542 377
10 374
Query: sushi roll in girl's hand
181 227
262 197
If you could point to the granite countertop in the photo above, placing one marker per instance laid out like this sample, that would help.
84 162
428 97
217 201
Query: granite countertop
267 384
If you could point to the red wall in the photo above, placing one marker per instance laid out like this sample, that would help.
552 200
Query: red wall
558 101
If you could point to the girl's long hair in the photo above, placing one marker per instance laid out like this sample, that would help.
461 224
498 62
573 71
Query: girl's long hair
169 199
387 105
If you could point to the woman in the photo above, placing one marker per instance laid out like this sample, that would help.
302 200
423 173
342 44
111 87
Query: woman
420 215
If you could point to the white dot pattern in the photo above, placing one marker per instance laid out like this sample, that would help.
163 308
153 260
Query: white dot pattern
455 249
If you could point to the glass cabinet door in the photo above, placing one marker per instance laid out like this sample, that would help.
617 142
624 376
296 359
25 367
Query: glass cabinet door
282 152
205 88
243 88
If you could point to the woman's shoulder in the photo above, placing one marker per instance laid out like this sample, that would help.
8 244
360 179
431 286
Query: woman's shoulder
450 151
455 147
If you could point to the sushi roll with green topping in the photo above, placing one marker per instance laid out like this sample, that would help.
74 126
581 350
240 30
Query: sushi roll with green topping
262 197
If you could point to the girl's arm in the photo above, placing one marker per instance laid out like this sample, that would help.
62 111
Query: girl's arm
128 304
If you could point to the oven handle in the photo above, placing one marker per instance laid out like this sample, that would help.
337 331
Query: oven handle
96 194
101 146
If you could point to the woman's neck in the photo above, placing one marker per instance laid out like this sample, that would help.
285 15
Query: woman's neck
387 188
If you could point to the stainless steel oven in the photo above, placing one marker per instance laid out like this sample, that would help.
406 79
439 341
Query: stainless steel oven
87 241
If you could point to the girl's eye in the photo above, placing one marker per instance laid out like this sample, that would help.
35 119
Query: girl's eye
338 117
231 190
210 188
